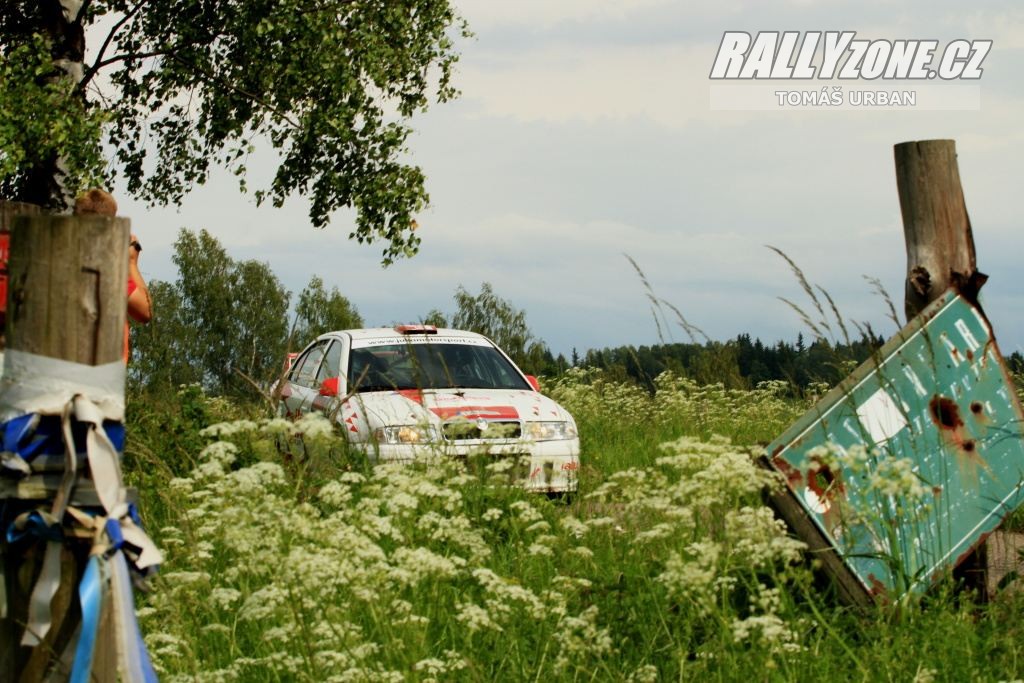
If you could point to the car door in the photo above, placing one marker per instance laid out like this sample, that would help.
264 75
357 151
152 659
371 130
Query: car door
330 368
302 388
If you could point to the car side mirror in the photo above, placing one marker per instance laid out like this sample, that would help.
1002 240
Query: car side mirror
329 387
533 382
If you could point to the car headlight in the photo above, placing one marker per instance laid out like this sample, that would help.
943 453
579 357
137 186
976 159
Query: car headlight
406 434
550 431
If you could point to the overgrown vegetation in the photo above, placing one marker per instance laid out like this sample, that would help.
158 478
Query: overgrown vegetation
290 558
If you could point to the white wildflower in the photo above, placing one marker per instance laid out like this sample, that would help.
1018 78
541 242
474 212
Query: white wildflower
579 636
896 477
924 675
539 550
314 426
582 552
600 522
335 494
648 673
223 452
263 603
223 429
526 512
475 617
692 576
224 598
417 564
431 666
573 526
767 628
352 478
277 426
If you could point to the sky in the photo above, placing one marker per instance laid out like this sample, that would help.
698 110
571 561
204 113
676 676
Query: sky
585 133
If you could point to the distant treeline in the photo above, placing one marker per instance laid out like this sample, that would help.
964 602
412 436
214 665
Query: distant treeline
740 363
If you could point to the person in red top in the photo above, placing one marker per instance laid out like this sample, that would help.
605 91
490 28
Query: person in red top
140 306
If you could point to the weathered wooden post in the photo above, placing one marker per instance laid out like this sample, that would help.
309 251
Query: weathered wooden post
937 231
67 287
66 300
940 254
940 245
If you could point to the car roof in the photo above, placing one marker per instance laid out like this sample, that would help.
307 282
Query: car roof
384 332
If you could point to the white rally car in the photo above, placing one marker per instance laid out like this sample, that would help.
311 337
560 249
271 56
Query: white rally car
415 389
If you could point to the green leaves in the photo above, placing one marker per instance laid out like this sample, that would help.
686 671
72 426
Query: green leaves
190 84
41 119
220 316
495 318
319 311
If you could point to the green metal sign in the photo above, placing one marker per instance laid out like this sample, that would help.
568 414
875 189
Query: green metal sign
916 457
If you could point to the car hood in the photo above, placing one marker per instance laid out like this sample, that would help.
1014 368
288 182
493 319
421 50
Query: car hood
435 406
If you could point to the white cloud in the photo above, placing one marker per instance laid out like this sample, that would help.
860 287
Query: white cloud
664 84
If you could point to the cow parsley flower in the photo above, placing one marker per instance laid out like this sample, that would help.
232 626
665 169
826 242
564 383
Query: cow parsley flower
492 515
475 618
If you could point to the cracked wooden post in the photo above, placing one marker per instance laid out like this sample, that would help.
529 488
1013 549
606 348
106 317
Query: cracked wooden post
936 228
940 251
66 299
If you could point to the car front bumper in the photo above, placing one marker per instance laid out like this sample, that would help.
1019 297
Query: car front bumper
539 466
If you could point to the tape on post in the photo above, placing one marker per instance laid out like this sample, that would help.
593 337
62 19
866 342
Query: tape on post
39 384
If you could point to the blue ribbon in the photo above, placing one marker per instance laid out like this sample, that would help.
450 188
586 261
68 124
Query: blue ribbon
36 526
90 595
113 529
30 435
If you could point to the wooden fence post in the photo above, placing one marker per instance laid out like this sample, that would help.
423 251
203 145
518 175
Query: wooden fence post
66 299
937 231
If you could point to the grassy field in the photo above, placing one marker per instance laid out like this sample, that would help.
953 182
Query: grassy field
290 559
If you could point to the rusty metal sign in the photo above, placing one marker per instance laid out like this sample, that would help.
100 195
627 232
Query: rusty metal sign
916 457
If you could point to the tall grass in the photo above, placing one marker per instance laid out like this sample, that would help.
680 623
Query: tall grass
292 559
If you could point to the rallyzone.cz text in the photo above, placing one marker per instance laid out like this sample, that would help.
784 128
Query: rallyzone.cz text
838 54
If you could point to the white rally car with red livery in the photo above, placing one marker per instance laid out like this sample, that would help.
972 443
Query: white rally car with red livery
416 389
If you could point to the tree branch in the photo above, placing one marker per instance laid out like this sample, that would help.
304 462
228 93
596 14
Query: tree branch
98 64
234 88
134 55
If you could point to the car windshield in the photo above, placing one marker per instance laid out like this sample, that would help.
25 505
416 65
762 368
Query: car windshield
431 366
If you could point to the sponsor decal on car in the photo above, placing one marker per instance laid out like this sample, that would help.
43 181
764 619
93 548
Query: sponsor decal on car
425 339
